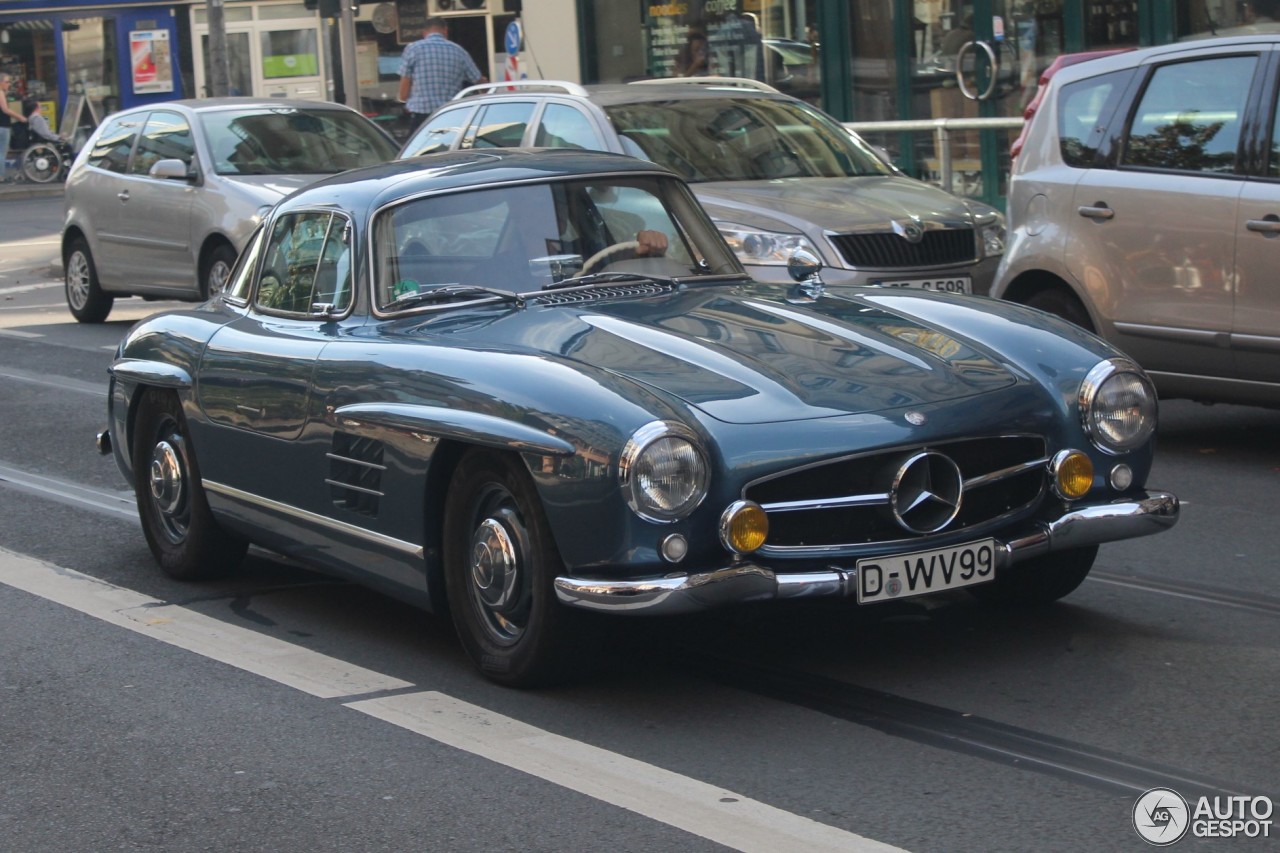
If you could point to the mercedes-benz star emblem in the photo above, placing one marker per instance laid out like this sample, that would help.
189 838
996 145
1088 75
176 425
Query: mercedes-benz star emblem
926 494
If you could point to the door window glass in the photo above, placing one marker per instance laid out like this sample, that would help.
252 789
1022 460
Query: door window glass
1189 117
563 126
307 264
166 136
501 125
111 149
439 133
1083 111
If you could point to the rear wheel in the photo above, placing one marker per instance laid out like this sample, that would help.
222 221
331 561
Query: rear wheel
217 270
41 163
86 299
1041 580
500 562
1064 304
181 531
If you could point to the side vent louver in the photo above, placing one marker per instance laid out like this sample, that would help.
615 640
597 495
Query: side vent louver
355 473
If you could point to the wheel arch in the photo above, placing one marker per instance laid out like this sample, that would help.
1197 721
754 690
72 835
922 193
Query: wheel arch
1032 282
211 244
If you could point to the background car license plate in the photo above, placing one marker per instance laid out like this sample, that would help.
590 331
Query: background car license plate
951 284
904 575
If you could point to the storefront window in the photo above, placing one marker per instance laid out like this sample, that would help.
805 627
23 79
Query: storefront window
289 53
1205 18
773 41
89 45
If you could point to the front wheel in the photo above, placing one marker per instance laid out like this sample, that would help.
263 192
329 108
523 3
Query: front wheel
500 562
1041 580
217 271
181 531
85 297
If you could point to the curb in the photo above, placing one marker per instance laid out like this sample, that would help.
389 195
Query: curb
19 191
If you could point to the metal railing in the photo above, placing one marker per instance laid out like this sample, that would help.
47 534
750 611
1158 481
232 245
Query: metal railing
941 129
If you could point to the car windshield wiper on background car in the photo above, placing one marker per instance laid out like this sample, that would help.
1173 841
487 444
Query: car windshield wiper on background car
448 292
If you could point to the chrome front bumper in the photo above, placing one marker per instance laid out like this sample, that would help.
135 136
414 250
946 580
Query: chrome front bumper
744 581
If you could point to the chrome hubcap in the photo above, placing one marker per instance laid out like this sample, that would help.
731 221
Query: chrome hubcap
218 274
78 280
165 475
498 574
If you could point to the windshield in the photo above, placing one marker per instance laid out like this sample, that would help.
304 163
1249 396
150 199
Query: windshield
520 238
740 139
286 141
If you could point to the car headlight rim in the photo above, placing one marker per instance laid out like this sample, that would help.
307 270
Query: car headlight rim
1117 406
674 452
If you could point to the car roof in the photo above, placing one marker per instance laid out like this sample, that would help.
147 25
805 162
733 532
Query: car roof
202 105
639 92
1130 59
362 190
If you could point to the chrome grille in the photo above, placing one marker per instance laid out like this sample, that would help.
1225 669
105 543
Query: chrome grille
887 250
845 503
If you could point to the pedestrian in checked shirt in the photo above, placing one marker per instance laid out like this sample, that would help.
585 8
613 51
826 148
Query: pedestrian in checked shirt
433 70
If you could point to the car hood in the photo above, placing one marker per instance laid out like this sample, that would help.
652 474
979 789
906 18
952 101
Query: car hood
840 205
748 355
269 189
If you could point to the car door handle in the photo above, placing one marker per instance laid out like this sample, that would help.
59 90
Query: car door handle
1098 210
1269 225
123 195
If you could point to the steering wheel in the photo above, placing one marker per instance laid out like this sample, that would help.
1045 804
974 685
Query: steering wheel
608 252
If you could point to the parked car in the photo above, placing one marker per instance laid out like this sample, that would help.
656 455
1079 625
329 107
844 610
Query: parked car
1145 207
536 383
776 174
1065 60
161 198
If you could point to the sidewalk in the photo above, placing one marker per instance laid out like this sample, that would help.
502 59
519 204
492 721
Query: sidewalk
18 190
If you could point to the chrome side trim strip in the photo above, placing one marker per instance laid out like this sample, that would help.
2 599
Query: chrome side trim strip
315 519
878 499
154 373
1173 333
341 485
354 461
744 581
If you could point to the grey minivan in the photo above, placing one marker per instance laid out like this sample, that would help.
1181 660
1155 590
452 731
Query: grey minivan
162 198
1145 207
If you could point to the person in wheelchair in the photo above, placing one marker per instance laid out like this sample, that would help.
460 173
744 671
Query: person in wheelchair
40 162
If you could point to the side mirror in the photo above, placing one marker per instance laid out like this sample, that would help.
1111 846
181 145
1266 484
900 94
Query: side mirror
803 265
171 168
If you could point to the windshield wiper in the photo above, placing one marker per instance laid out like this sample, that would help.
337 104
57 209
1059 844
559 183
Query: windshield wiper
448 292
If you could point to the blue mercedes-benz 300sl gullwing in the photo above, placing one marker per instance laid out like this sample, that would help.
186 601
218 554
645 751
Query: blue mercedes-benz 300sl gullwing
534 384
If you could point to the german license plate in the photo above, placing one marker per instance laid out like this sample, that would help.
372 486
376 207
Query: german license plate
947 284
905 575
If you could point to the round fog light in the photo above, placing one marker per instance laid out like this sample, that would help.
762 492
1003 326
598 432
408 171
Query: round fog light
743 527
1072 474
1121 477
674 547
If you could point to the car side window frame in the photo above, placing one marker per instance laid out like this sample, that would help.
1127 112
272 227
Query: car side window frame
539 123
292 277
1098 147
465 114
243 274
1143 87
135 120
139 145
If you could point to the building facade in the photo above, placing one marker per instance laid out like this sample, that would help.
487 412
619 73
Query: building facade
861 60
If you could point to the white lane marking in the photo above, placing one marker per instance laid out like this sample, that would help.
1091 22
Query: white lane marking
281 662
27 288
66 383
714 813
14 333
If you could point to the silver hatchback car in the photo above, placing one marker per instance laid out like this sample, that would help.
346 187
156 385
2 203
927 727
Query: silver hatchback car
776 174
1145 207
162 198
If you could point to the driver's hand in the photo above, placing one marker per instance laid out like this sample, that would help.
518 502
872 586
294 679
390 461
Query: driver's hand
652 243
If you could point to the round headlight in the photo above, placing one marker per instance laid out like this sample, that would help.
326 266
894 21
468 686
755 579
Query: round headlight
1118 406
663 472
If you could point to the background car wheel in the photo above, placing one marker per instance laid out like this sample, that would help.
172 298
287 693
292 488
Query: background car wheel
1041 580
186 541
217 270
1064 304
500 561
87 301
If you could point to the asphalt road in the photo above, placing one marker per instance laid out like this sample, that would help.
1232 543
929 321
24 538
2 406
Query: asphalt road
281 710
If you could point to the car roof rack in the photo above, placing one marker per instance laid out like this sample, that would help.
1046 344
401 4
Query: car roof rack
736 82
490 88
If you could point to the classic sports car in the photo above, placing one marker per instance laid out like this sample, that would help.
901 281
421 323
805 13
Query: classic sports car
533 384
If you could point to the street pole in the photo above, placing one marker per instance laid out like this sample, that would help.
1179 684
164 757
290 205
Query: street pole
347 36
219 82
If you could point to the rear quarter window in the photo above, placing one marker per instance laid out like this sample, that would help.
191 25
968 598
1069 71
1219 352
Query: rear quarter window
1084 111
